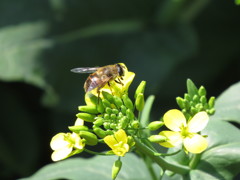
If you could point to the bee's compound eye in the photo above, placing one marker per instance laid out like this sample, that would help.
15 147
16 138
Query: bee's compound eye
120 70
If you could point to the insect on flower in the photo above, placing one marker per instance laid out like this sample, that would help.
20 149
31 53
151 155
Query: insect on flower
101 76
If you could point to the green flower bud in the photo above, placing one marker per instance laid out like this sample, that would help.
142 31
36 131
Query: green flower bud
106 116
91 139
139 102
211 111
78 128
135 124
123 122
186 104
93 99
116 168
130 141
106 103
130 114
140 89
100 106
113 116
115 111
193 111
113 126
117 101
202 91
195 98
203 99
211 102
187 97
155 125
99 132
180 102
98 122
106 125
123 109
199 107
127 101
157 138
108 110
86 117
108 96
88 109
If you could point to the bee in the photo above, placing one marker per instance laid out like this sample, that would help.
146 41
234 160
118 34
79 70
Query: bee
101 76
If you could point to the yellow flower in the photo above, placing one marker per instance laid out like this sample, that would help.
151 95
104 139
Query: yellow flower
183 132
118 142
115 88
65 145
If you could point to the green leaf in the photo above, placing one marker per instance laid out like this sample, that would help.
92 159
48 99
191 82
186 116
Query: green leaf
145 117
237 2
227 104
99 167
221 159
192 89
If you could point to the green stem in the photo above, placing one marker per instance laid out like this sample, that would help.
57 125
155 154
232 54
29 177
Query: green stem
177 168
194 161
97 153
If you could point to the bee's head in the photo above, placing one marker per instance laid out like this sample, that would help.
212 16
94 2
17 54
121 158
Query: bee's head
120 69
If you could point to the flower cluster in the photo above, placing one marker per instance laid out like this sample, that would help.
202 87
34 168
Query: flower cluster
109 117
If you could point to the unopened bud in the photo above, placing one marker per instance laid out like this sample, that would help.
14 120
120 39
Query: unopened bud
180 102
78 128
202 91
116 168
88 109
127 101
140 89
157 138
86 117
140 102
91 139
155 125
211 102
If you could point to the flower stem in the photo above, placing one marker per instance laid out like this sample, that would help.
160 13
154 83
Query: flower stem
177 168
96 153
194 161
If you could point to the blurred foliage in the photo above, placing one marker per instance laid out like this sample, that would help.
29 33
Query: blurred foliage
163 42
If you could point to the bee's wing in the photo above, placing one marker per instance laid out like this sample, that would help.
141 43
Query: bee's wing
85 70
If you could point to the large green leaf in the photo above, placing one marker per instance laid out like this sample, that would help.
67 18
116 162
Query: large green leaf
228 103
96 168
221 159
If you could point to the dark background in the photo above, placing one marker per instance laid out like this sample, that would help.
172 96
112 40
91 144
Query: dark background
163 41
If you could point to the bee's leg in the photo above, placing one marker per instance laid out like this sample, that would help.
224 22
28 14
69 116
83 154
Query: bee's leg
110 88
119 81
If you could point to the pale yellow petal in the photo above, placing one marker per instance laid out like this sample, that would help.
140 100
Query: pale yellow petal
196 144
198 122
174 119
110 141
121 136
58 141
79 122
61 153
173 138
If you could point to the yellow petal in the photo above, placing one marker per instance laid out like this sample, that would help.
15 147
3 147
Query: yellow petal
121 136
174 119
121 149
58 141
79 122
196 144
61 153
173 138
198 122
110 141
